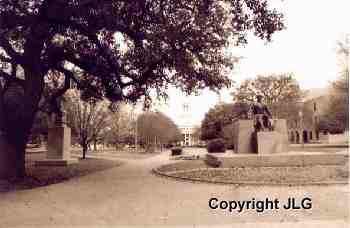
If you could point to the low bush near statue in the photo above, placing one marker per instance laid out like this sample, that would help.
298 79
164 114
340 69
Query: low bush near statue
216 146
176 151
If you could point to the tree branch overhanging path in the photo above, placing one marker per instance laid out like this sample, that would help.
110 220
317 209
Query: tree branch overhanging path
124 49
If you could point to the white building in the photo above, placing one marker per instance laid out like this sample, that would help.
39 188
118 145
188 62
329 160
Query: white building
187 126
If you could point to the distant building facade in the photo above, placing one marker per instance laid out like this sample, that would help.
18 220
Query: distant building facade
188 129
304 128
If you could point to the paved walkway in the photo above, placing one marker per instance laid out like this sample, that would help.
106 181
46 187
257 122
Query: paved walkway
130 195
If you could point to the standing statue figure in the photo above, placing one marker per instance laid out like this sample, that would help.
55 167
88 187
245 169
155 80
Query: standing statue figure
57 119
60 119
56 115
262 116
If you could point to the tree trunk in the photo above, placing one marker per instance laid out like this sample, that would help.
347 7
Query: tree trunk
12 159
19 106
16 119
85 147
95 145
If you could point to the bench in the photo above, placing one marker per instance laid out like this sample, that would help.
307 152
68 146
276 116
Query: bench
212 161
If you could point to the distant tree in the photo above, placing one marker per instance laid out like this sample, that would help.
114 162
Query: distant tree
278 91
330 124
129 139
156 128
168 131
87 119
120 129
281 93
220 116
124 48
336 118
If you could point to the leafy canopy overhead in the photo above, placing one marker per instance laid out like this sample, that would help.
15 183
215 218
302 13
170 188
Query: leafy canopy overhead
126 48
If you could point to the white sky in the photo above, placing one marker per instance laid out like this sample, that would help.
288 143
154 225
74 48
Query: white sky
306 48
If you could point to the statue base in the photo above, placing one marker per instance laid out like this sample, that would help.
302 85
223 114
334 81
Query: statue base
270 143
247 141
58 147
243 130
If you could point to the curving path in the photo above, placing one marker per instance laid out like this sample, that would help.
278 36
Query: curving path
130 195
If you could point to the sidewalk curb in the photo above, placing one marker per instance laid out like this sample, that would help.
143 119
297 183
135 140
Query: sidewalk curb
253 183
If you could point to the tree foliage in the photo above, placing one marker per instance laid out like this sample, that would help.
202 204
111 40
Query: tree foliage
274 89
124 49
156 127
336 118
88 119
127 47
216 146
281 93
121 126
220 116
330 124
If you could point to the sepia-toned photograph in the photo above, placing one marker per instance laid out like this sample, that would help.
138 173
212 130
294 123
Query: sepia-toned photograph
174 113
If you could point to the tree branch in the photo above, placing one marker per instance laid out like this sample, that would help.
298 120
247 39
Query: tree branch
69 74
20 8
94 39
5 59
5 44
145 75
9 20
55 104
8 77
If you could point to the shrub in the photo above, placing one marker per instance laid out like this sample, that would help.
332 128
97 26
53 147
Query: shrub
168 146
216 146
230 146
176 151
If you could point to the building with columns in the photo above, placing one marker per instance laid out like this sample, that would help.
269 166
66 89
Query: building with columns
188 127
304 128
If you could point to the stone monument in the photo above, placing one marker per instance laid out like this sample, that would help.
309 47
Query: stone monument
262 135
243 131
262 116
59 144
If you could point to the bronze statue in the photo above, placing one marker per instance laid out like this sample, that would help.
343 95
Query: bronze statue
262 116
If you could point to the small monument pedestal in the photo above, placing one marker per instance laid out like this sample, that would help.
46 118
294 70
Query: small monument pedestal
247 141
270 142
243 136
58 147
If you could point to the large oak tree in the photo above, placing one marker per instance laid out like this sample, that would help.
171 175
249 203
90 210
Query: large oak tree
124 47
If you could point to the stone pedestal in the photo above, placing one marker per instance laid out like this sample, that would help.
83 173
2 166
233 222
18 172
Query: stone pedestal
58 147
271 142
281 127
243 130
267 142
